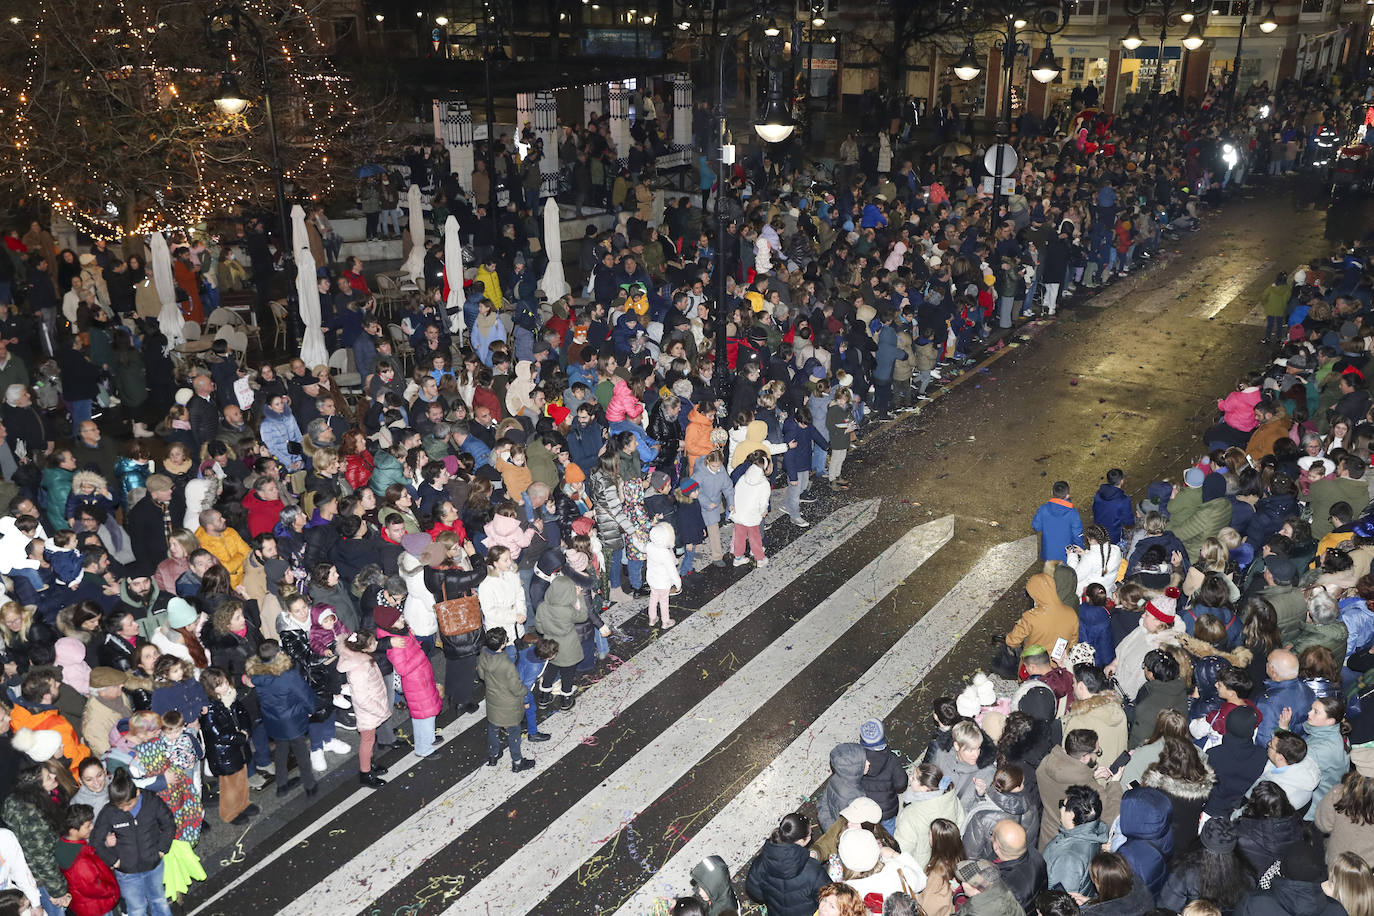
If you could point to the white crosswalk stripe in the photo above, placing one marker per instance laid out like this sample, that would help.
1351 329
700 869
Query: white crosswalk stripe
359 882
555 854
737 831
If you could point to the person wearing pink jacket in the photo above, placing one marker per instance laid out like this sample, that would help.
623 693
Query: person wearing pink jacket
408 657
1237 414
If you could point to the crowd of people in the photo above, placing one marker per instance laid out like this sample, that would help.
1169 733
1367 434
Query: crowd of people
212 567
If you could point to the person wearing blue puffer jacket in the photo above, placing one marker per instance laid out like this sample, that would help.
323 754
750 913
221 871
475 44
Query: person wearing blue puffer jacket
1143 835
1058 523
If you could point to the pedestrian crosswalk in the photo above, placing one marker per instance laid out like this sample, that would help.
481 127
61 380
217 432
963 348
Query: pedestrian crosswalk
454 836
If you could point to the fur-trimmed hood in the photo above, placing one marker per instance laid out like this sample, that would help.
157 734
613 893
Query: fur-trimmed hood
275 668
1239 657
1098 701
1178 788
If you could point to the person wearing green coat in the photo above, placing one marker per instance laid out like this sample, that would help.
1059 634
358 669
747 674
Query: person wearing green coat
505 699
57 486
386 471
1200 511
1274 303
559 614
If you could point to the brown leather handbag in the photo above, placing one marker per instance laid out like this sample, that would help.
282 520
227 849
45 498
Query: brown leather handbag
457 616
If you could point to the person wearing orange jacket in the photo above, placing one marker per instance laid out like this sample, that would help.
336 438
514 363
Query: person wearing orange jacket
37 710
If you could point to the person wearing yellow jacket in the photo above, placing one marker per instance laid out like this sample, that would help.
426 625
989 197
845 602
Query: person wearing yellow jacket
224 542
486 275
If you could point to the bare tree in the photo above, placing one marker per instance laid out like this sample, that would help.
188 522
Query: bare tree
115 126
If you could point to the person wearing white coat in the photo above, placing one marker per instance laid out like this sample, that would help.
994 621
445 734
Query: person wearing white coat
751 505
661 573
419 606
1099 562
502 595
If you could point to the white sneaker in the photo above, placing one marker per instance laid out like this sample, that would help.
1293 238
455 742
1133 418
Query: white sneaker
800 522
741 561
341 701
335 746
761 562
317 762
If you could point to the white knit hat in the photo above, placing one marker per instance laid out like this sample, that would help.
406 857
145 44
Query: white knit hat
41 745
859 850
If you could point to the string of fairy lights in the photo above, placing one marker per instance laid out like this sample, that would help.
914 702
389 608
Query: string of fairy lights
204 186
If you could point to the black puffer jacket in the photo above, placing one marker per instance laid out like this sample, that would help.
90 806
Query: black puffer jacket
786 880
449 583
885 780
226 739
667 433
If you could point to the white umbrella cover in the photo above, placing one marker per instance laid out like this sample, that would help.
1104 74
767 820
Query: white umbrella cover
169 318
414 265
453 266
313 350
553 283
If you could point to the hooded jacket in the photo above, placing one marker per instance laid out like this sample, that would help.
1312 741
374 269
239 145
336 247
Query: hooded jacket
913 821
751 498
845 782
1186 800
995 806
558 616
369 698
1059 526
1047 622
142 836
1147 824
225 730
661 570
755 440
505 691
285 699
1103 714
786 880
1070 853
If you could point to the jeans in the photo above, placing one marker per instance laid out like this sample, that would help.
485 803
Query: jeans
925 376
791 499
882 396
688 555
1275 325
636 568
143 892
424 736
531 714
512 740
262 748
80 411
1004 308
818 455
391 222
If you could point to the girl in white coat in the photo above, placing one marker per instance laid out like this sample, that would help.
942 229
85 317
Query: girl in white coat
1099 562
751 505
501 594
661 572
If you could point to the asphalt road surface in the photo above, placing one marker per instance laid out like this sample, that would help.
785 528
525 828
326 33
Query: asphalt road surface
695 740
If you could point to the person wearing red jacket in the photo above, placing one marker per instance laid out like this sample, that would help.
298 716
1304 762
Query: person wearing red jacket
90 881
264 506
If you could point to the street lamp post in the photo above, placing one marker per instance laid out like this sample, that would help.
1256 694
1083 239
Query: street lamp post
1188 12
775 125
491 34
222 26
1267 25
1005 18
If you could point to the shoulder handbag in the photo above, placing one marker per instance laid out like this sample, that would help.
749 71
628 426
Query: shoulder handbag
457 616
